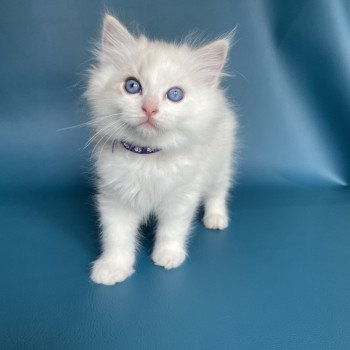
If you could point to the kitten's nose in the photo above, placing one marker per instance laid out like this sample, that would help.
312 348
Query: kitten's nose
150 107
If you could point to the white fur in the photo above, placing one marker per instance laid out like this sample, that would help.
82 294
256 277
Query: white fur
196 135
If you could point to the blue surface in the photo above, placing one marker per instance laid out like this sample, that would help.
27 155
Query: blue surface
278 278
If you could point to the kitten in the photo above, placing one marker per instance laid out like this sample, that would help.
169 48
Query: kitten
165 138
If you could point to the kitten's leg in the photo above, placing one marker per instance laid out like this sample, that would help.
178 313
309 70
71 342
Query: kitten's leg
119 239
174 221
215 207
215 212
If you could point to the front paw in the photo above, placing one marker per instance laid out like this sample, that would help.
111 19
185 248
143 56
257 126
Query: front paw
169 258
216 221
109 272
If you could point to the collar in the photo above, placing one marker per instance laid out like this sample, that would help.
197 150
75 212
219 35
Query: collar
136 149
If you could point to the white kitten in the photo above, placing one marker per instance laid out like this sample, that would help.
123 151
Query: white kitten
165 137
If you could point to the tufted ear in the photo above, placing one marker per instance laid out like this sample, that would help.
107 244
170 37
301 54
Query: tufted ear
116 39
210 60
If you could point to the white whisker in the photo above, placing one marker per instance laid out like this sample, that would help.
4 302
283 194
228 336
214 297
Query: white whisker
89 123
118 127
93 137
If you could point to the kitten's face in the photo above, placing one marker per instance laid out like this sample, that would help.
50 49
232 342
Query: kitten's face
155 69
153 93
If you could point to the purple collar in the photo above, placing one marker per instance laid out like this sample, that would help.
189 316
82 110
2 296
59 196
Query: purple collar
136 149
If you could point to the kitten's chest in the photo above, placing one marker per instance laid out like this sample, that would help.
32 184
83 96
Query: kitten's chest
144 180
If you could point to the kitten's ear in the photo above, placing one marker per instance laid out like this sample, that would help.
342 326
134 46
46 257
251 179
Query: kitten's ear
115 37
211 58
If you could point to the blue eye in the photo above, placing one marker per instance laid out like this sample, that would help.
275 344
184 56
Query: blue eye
175 94
132 86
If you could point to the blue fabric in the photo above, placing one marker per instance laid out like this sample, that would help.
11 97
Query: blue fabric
277 278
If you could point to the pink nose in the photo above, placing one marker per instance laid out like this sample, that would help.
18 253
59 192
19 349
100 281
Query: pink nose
150 108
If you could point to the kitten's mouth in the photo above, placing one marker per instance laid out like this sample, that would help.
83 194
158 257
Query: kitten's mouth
147 128
148 124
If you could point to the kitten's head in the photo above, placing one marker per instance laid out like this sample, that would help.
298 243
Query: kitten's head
153 93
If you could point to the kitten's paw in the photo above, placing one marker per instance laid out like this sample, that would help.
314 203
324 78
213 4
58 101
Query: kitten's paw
216 221
109 272
169 258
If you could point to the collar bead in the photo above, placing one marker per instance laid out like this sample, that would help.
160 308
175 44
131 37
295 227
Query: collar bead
136 149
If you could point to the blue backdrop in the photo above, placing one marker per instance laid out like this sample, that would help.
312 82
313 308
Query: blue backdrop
276 279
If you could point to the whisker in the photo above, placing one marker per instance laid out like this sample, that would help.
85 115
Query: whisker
101 150
119 127
93 137
77 126
101 139
91 122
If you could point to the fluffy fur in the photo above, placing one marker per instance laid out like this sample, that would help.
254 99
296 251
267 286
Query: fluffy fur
196 137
